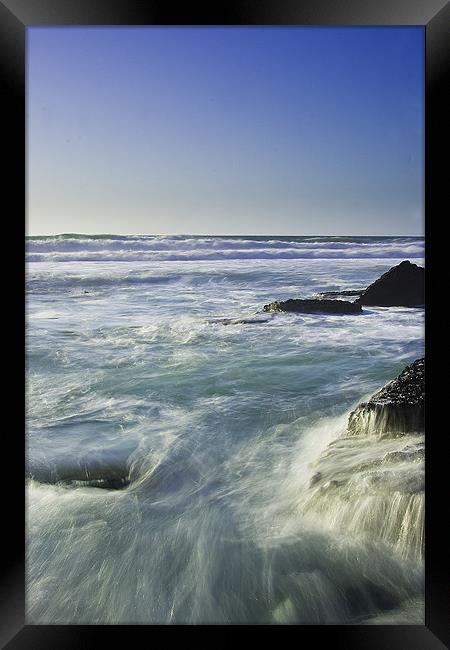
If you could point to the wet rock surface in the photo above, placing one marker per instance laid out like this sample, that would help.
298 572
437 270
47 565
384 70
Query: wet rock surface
238 321
313 306
344 292
102 468
398 407
373 486
402 286
112 483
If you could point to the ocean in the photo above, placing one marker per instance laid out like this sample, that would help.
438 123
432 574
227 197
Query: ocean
170 452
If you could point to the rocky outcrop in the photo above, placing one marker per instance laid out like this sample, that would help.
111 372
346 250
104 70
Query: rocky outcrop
312 306
375 488
103 483
103 469
238 321
344 292
396 409
401 286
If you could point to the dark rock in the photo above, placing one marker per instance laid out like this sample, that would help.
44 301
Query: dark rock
397 409
315 478
241 321
402 286
104 484
312 306
103 468
111 484
348 292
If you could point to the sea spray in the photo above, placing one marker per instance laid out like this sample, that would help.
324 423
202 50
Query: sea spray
185 545
358 491
220 432
371 479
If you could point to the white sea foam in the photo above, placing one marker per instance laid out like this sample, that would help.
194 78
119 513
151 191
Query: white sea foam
218 430
165 248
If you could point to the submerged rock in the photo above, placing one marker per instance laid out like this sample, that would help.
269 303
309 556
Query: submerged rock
238 321
397 408
313 306
104 469
375 488
103 483
401 286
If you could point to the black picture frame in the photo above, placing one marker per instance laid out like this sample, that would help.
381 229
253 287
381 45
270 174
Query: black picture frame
15 17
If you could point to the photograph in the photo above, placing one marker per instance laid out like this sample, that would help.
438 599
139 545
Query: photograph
225 325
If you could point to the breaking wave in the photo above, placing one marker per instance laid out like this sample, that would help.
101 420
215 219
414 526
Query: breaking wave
159 248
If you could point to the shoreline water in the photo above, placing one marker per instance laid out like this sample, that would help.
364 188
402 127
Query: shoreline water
219 428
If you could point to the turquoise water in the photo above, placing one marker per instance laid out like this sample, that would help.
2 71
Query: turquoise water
215 429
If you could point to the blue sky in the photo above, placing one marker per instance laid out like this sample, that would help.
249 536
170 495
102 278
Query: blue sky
263 130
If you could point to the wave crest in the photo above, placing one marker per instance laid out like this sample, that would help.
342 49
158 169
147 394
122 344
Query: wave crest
160 248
